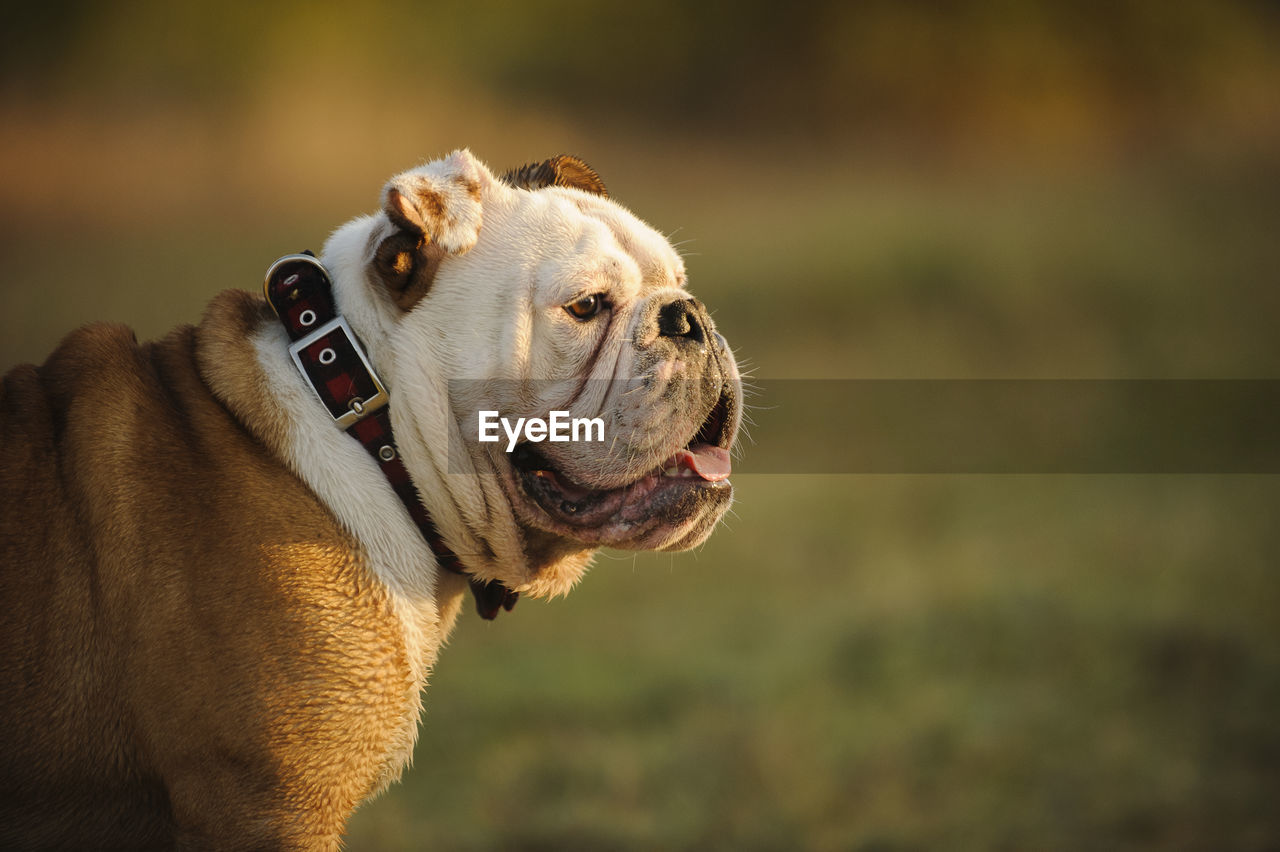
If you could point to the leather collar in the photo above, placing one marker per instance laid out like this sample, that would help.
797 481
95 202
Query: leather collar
331 359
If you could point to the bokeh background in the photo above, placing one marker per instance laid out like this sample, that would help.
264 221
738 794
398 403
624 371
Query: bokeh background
861 190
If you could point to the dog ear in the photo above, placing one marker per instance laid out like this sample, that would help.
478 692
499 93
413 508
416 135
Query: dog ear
440 201
436 212
562 170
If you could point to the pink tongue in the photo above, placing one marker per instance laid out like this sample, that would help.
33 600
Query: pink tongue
710 463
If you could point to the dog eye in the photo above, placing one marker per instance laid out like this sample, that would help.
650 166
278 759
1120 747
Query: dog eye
586 307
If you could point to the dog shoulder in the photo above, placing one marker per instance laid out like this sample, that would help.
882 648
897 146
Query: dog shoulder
141 507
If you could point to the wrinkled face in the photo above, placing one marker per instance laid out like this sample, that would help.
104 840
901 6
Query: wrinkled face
614 337
510 302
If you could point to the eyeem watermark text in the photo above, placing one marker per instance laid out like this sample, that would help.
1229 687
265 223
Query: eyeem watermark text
558 427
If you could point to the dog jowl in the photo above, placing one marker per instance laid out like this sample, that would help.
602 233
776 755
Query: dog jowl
229 557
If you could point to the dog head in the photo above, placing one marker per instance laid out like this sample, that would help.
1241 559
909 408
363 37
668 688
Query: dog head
523 295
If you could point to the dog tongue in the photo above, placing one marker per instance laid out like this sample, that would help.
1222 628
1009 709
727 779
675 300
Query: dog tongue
709 462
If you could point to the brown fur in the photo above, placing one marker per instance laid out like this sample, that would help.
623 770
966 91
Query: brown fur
406 263
561 170
195 653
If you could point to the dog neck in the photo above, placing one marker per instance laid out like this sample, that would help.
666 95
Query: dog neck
333 362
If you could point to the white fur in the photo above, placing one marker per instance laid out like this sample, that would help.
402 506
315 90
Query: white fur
451 181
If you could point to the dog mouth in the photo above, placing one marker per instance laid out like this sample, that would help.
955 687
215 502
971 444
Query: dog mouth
678 490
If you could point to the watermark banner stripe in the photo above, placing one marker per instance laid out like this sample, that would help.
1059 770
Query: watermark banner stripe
1068 426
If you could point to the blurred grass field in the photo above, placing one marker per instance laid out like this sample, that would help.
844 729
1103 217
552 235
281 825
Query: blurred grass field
888 662
880 663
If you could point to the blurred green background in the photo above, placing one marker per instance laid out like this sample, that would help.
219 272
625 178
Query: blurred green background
870 190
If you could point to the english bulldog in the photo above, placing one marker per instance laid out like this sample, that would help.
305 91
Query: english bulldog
229 558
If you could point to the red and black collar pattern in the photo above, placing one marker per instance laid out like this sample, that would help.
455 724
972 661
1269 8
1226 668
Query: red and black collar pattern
330 358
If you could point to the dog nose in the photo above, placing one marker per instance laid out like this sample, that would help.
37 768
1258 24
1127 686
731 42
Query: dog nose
680 319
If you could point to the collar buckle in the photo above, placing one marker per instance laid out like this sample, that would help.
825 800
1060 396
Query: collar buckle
339 372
